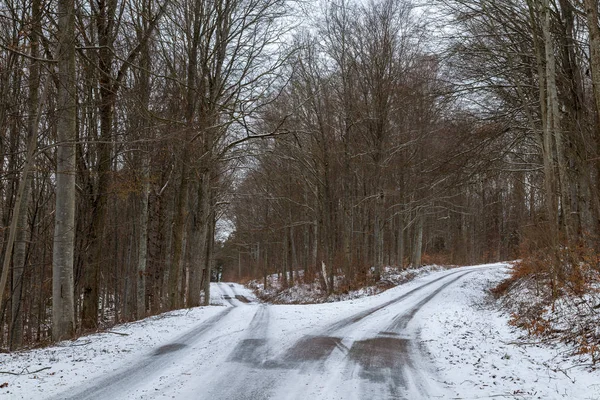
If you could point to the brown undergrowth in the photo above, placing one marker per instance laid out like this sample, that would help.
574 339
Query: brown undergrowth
305 291
554 295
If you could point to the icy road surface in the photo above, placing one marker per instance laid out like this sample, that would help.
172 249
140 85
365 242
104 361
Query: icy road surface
428 339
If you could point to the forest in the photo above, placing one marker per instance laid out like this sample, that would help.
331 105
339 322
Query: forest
148 144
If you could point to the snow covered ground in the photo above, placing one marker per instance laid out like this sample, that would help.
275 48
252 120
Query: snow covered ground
479 356
435 337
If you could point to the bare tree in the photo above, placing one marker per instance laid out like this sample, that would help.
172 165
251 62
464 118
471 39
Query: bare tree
63 312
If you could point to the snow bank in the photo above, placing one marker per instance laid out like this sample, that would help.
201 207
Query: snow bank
479 355
570 318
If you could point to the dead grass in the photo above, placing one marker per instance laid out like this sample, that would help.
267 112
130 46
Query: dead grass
555 295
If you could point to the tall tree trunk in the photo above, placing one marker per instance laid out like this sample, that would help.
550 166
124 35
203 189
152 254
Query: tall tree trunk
179 224
550 107
285 257
591 12
20 206
168 223
417 242
105 22
16 333
208 261
183 196
378 235
198 240
63 317
143 239
554 124
19 262
400 242
209 232
144 84
294 261
546 138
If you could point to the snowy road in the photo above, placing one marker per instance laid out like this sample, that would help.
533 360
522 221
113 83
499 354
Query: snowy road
432 338
240 354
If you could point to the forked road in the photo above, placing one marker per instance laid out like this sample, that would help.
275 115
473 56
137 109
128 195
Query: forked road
368 349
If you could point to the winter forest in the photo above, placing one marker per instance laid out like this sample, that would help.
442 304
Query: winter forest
149 145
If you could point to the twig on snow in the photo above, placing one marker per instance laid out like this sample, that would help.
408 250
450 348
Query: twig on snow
117 333
23 371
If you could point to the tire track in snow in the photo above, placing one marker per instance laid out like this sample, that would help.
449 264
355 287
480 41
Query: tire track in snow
251 374
390 359
125 379
385 362
254 348
114 385
229 295
319 346
353 319
249 350
230 378
239 296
